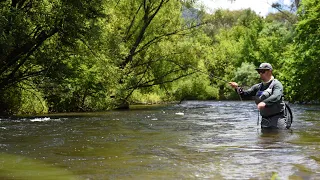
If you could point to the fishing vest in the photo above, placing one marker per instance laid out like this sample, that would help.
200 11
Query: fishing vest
264 94
261 95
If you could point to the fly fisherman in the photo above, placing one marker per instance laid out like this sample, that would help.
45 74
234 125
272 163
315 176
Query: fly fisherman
269 98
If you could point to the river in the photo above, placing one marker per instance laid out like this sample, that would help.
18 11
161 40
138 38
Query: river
191 140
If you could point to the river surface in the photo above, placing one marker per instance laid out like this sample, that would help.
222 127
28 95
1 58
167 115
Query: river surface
192 140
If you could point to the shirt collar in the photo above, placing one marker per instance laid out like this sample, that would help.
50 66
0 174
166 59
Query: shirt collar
272 78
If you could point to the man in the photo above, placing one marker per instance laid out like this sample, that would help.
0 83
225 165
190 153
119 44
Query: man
268 96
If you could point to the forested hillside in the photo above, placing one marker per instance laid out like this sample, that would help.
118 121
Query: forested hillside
95 55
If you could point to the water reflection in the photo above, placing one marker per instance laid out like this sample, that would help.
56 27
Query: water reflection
193 140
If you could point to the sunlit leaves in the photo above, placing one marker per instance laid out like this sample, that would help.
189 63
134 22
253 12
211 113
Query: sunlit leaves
307 43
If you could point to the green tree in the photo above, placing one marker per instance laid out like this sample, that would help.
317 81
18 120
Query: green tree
153 46
303 68
38 36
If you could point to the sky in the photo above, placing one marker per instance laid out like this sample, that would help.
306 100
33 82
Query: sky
261 7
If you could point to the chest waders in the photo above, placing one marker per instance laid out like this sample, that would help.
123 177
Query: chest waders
282 119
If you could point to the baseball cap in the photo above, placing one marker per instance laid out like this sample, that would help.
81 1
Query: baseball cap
266 66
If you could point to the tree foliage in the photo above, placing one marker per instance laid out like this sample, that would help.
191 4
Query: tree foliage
303 69
62 55
39 37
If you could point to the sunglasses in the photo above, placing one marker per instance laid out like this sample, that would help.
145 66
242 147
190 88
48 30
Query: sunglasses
261 71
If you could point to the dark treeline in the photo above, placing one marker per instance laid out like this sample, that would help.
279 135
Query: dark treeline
94 55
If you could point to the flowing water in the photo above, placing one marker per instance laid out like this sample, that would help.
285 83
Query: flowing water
192 140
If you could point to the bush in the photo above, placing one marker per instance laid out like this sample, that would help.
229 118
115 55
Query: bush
32 102
10 101
195 88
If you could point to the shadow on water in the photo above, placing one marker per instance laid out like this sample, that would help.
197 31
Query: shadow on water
192 140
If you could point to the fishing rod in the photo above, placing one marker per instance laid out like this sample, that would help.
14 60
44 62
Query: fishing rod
211 75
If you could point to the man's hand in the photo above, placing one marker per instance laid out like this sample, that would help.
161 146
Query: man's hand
261 105
233 84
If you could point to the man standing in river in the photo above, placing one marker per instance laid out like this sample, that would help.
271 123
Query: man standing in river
268 96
